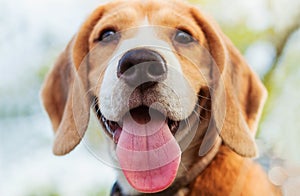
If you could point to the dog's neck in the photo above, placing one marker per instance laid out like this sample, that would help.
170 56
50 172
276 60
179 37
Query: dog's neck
181 182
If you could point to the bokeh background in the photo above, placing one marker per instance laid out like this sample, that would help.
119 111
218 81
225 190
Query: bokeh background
34 32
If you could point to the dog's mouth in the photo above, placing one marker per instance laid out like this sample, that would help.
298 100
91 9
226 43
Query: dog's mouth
139 114
146 148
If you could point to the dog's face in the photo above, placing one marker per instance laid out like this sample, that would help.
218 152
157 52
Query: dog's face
151 70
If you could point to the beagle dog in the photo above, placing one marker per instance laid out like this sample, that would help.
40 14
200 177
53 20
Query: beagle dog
176 99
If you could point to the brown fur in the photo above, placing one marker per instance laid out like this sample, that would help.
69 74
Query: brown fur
230 173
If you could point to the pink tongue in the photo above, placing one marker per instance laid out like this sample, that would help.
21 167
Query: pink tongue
148 154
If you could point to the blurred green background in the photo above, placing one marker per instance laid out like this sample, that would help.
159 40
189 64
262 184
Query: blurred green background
33 33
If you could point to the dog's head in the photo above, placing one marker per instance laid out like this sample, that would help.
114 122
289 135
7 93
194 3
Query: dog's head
152 71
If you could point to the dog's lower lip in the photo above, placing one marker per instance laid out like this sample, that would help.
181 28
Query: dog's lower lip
113 129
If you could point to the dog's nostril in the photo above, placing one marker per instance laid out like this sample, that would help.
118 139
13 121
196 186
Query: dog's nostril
155 69
140 66
128 71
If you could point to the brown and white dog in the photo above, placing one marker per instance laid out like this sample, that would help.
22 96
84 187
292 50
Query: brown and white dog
176 98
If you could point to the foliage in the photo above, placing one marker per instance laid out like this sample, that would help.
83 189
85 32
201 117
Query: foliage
243 36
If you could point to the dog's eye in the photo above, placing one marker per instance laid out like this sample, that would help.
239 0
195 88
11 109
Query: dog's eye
107 35
183 37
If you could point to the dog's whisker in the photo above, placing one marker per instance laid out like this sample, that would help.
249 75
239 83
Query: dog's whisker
183 166
199 114
203 118
196 112
91 89
201 107
211 89
204 97
95 106
187 122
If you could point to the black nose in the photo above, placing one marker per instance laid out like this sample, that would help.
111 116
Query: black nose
142 66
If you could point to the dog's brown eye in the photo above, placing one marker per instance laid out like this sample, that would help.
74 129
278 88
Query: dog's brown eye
183 37
107 35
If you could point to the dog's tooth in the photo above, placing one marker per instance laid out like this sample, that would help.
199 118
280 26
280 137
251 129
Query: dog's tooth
117 135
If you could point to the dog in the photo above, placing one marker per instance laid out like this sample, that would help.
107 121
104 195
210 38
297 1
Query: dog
176 99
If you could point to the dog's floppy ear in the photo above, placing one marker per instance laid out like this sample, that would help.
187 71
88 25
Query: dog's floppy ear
238 96
64 99
64 93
